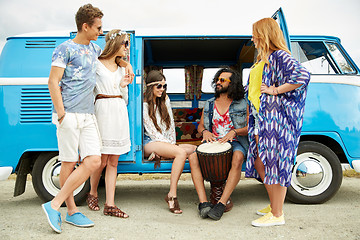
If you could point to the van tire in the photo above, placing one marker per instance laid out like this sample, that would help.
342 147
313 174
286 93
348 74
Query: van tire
46 186
319 184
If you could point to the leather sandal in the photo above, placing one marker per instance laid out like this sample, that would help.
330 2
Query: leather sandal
92 202
114 211
176 208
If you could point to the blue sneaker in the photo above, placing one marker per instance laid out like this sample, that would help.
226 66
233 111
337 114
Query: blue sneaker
78 219
53 217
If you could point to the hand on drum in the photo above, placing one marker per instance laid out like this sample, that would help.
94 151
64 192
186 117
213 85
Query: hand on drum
228 137
208 136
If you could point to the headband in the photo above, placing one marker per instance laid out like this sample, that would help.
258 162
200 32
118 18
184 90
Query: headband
153 83
113 36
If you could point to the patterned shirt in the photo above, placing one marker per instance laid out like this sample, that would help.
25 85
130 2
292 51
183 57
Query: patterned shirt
78 82
221 123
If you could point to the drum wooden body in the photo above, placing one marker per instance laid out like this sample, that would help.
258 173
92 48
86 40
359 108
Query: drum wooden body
215 161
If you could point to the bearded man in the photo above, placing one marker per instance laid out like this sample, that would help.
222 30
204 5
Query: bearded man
224 119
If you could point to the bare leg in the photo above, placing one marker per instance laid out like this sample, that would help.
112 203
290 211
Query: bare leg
75 179
110 179
197 177
233 177
95 177
170 151
275 192
66 169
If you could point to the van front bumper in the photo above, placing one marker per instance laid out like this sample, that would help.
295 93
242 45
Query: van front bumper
356 165
5 173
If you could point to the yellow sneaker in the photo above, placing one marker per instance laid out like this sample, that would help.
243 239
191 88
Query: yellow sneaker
264 211
268 220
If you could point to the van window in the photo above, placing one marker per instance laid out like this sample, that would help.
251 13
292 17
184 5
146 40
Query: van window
340 59
208 76
316 57
175 79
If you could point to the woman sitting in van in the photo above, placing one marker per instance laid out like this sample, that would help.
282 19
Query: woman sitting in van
160 136
111 113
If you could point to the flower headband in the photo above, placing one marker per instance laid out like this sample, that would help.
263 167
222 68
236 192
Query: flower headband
113 36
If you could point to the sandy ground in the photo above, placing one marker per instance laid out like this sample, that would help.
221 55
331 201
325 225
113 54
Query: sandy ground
143 200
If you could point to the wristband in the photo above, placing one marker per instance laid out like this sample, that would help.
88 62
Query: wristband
234 131
59 119
202 132
275 91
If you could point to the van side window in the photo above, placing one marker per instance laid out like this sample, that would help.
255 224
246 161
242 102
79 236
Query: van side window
208 76
340 59
319 58
175 78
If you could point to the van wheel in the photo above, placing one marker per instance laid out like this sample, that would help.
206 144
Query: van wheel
46 182
317 174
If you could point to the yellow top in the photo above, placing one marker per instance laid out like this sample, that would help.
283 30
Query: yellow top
255 83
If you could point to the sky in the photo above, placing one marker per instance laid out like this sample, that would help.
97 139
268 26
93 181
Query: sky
338 18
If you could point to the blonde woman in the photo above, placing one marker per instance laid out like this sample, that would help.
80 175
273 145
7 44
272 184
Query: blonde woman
111 98
276 92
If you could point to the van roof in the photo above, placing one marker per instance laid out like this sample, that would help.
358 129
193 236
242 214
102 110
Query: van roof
170 32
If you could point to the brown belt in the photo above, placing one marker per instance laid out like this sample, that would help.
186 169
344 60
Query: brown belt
100 96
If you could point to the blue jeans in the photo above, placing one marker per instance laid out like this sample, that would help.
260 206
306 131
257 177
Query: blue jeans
238 147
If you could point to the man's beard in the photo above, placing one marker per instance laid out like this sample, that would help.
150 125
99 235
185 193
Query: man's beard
221 89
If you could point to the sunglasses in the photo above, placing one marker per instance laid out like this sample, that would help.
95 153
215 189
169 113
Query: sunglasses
126 43
159 86
222 80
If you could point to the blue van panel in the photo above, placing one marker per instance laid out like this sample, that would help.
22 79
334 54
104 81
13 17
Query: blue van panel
334 108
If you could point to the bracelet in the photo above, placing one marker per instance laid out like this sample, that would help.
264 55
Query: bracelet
59 119
275 91
234 131
202 132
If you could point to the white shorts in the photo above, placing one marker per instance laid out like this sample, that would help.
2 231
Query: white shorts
77 133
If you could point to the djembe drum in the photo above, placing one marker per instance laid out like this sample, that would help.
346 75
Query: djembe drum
215 163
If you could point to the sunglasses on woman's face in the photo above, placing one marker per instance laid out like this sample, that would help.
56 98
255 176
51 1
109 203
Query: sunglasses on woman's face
222 80
126 43
159 86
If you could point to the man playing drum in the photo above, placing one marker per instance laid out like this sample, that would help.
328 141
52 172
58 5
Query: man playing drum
224 119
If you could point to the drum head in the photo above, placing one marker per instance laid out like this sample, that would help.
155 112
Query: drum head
214 147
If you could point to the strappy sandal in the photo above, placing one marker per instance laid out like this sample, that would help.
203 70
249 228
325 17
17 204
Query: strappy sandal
114 211
92 202
176 208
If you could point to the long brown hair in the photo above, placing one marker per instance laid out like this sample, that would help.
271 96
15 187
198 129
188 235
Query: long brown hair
270 38
156 76
114 40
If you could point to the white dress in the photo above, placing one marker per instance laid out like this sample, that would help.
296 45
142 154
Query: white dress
111 113
168 135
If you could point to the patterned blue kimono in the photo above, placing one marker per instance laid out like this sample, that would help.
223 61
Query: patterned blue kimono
280 120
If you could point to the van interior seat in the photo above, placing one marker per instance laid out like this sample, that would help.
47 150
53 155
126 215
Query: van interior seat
186 123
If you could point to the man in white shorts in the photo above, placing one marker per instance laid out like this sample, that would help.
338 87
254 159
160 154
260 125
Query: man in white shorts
73 66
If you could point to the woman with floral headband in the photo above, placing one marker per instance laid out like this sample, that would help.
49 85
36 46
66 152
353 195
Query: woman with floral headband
111 98
160 137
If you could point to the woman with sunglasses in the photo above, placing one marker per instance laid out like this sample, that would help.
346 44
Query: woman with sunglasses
160 136
276 91
111 98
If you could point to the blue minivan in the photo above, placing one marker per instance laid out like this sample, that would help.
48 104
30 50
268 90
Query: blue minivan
331 129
